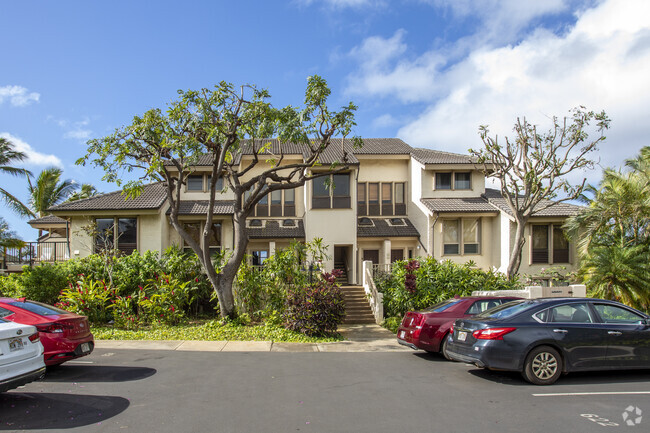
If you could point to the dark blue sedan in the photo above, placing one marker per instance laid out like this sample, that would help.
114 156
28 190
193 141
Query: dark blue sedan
543 338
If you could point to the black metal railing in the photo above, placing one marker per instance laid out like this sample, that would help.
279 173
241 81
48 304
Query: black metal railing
35 252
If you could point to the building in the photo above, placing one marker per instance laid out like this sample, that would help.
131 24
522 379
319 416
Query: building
395 202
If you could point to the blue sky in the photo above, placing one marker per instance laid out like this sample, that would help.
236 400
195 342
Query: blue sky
427 71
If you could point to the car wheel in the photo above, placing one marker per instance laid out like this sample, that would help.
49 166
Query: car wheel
543 366
443 347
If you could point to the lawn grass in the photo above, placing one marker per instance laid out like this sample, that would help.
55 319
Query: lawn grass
210 330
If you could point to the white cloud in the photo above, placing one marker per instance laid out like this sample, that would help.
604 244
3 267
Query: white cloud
602 62
74 130
33 157
18 96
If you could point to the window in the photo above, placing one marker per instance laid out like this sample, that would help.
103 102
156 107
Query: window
373 199
483 305
393 196
276 209
463 180
616 314
116 233
218 186
400 198
540 244
289 202
259 257
451 237
543 243
262 207
194 229
214 241
195 182
396 255
571 313
387 199
276 203
362 207
443 180
465 232
331 192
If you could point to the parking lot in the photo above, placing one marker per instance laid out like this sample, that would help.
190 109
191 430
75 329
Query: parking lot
192 391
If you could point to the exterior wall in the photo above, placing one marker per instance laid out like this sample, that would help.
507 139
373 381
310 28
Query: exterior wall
527 267
418 213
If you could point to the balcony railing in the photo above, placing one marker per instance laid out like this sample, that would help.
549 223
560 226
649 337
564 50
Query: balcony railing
34 253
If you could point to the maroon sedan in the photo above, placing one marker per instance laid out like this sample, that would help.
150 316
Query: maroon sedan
64 335
428 329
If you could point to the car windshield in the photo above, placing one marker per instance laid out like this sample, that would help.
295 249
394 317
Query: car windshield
506 310
442 306
38 308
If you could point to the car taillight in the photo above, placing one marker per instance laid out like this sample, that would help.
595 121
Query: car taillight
56 328
417 321
451 329
492 333
34 338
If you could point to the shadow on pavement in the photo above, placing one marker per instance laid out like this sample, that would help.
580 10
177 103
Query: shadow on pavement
29 411
433 357
580 378
97 373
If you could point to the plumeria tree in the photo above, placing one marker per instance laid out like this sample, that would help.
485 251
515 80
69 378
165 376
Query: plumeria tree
219 127
533 167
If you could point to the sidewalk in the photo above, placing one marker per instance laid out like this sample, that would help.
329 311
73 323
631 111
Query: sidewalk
360 338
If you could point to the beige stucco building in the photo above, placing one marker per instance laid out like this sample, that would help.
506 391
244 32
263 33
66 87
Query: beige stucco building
395 202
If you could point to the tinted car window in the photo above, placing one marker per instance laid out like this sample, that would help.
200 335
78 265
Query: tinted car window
570 313
442 306
483 305
614 314
38 308
506 310
4 312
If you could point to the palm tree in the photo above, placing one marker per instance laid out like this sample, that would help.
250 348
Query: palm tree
8 157
8 240
49 190
87 190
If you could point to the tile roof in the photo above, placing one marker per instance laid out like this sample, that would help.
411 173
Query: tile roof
557 210
430 156
272 229
469 204
381 228
152 197
48 219
200 207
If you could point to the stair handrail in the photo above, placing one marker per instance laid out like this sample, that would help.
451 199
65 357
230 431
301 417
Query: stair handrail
375 298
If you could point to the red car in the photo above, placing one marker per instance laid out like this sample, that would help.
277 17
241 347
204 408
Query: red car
64 335
428 329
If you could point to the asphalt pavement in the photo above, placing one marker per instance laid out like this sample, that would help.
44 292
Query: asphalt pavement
147 390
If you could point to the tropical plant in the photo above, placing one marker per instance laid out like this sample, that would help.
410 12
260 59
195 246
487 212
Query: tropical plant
49 190
8 157
85 191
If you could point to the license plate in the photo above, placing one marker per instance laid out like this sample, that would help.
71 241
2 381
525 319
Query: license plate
401 334
15 344
85 347
462 336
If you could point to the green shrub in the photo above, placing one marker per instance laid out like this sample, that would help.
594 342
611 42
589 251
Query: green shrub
392 324
43 283
434 282
315 310
90 298
164 300
10 286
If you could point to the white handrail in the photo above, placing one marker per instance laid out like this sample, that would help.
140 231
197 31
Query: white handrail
375 298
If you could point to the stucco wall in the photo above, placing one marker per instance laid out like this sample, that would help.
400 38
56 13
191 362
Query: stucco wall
485 259
428 183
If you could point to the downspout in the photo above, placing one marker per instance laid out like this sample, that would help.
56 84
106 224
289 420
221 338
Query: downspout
67 237
432 234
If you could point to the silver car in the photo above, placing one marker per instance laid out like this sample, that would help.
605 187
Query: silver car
21 355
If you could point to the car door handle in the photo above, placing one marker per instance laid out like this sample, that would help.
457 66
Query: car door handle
560 331
614 333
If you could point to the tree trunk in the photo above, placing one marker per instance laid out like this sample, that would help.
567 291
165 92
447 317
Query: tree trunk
518 246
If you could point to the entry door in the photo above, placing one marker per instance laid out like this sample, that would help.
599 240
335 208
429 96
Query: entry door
372 255
396 255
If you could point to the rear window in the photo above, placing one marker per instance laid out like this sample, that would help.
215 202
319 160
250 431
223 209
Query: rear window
442 306
506 310
38 308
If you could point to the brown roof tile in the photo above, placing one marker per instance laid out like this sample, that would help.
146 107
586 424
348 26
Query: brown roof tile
557 210
430 156
48 219
152 197
382 228
272 229
469 204
200 207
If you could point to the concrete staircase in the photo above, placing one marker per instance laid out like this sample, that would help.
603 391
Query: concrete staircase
357 308
343 278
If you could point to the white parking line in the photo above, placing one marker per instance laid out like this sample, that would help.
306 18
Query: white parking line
564 394
80 362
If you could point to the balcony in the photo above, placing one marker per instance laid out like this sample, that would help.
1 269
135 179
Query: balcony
33 253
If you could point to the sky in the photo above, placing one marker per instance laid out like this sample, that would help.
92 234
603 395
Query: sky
427 71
